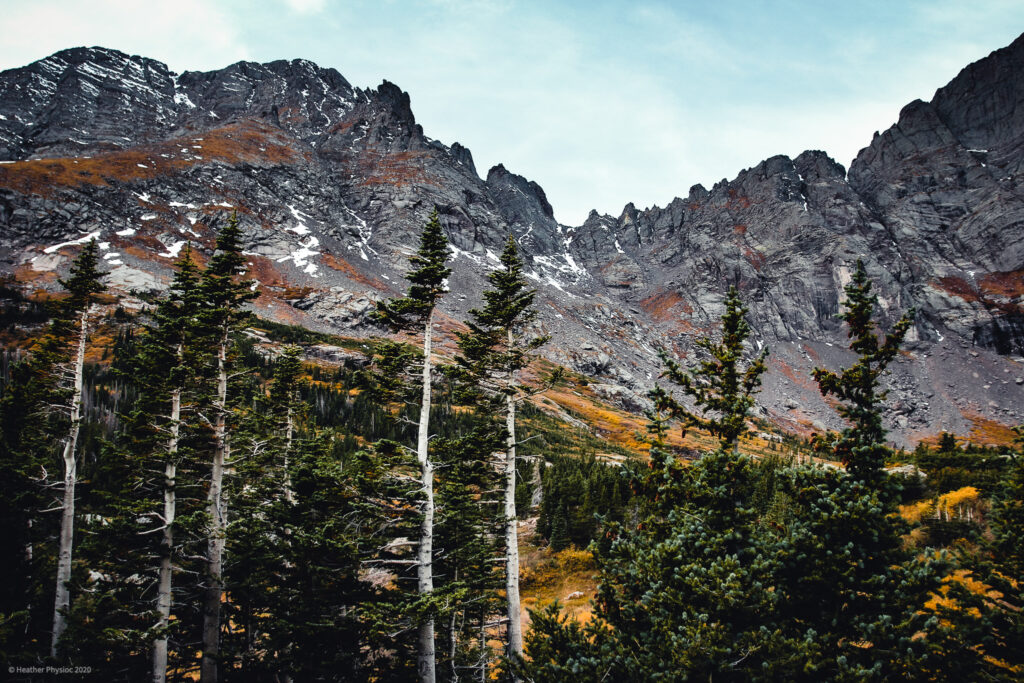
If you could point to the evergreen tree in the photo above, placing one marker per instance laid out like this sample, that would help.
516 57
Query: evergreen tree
428 280
167 365
862 445
715 584
223 296
718 385
1002 570
846 574
293 545
496 348
947 443
468 530
82 286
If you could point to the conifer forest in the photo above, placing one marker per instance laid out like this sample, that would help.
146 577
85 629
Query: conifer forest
188 493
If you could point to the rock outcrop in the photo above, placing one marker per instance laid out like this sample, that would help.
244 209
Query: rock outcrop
332 185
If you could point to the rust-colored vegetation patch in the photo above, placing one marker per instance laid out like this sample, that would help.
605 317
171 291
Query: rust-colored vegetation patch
755 258
988 432
244 142
736 201
739 229
342 266
662 306
250 142
992 289
25 273
264 270
398 169
957 286
1006 283
610 422
801 379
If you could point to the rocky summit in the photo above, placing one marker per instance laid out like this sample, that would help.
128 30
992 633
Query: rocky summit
333 183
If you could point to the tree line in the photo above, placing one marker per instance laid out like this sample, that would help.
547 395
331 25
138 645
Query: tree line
238 520
198 508
743 570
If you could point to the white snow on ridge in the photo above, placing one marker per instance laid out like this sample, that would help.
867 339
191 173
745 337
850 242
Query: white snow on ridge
182 98
173 250
80 240
572 264
301 256
301 228
127 232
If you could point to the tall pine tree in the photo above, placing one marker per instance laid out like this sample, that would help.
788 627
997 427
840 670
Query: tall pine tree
862 445
496 348
167 364
82 285
412 313
223 293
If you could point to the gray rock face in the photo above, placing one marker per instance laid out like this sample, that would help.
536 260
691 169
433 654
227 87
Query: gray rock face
333 184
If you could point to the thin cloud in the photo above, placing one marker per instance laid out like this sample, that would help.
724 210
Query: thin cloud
186 34
306 6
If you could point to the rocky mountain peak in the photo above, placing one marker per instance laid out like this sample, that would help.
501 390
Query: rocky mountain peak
463 156
333 185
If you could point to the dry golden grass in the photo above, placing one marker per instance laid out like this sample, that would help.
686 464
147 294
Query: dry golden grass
568 576
986 431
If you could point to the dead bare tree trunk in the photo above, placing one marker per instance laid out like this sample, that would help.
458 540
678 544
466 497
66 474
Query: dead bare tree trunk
164 596
425 570
217 508
515 629
62 599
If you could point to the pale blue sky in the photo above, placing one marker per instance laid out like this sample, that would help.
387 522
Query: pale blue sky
601 103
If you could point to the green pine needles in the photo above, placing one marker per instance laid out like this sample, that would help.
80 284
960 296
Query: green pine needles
719 386
427 278
860 447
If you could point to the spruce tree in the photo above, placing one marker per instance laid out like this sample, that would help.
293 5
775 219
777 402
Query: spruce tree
496 348
844 571
166 368
293 544
223 296
719 386
413 312
862 445
82 285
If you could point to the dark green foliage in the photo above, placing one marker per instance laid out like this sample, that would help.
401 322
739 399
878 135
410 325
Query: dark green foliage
467 528
223 292
861 447
766 572
34 415
948 467
427 281
718 386
947 443
83 281
1005 566
577 491
497 345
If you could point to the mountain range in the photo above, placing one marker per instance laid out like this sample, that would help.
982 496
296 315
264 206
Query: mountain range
332 185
